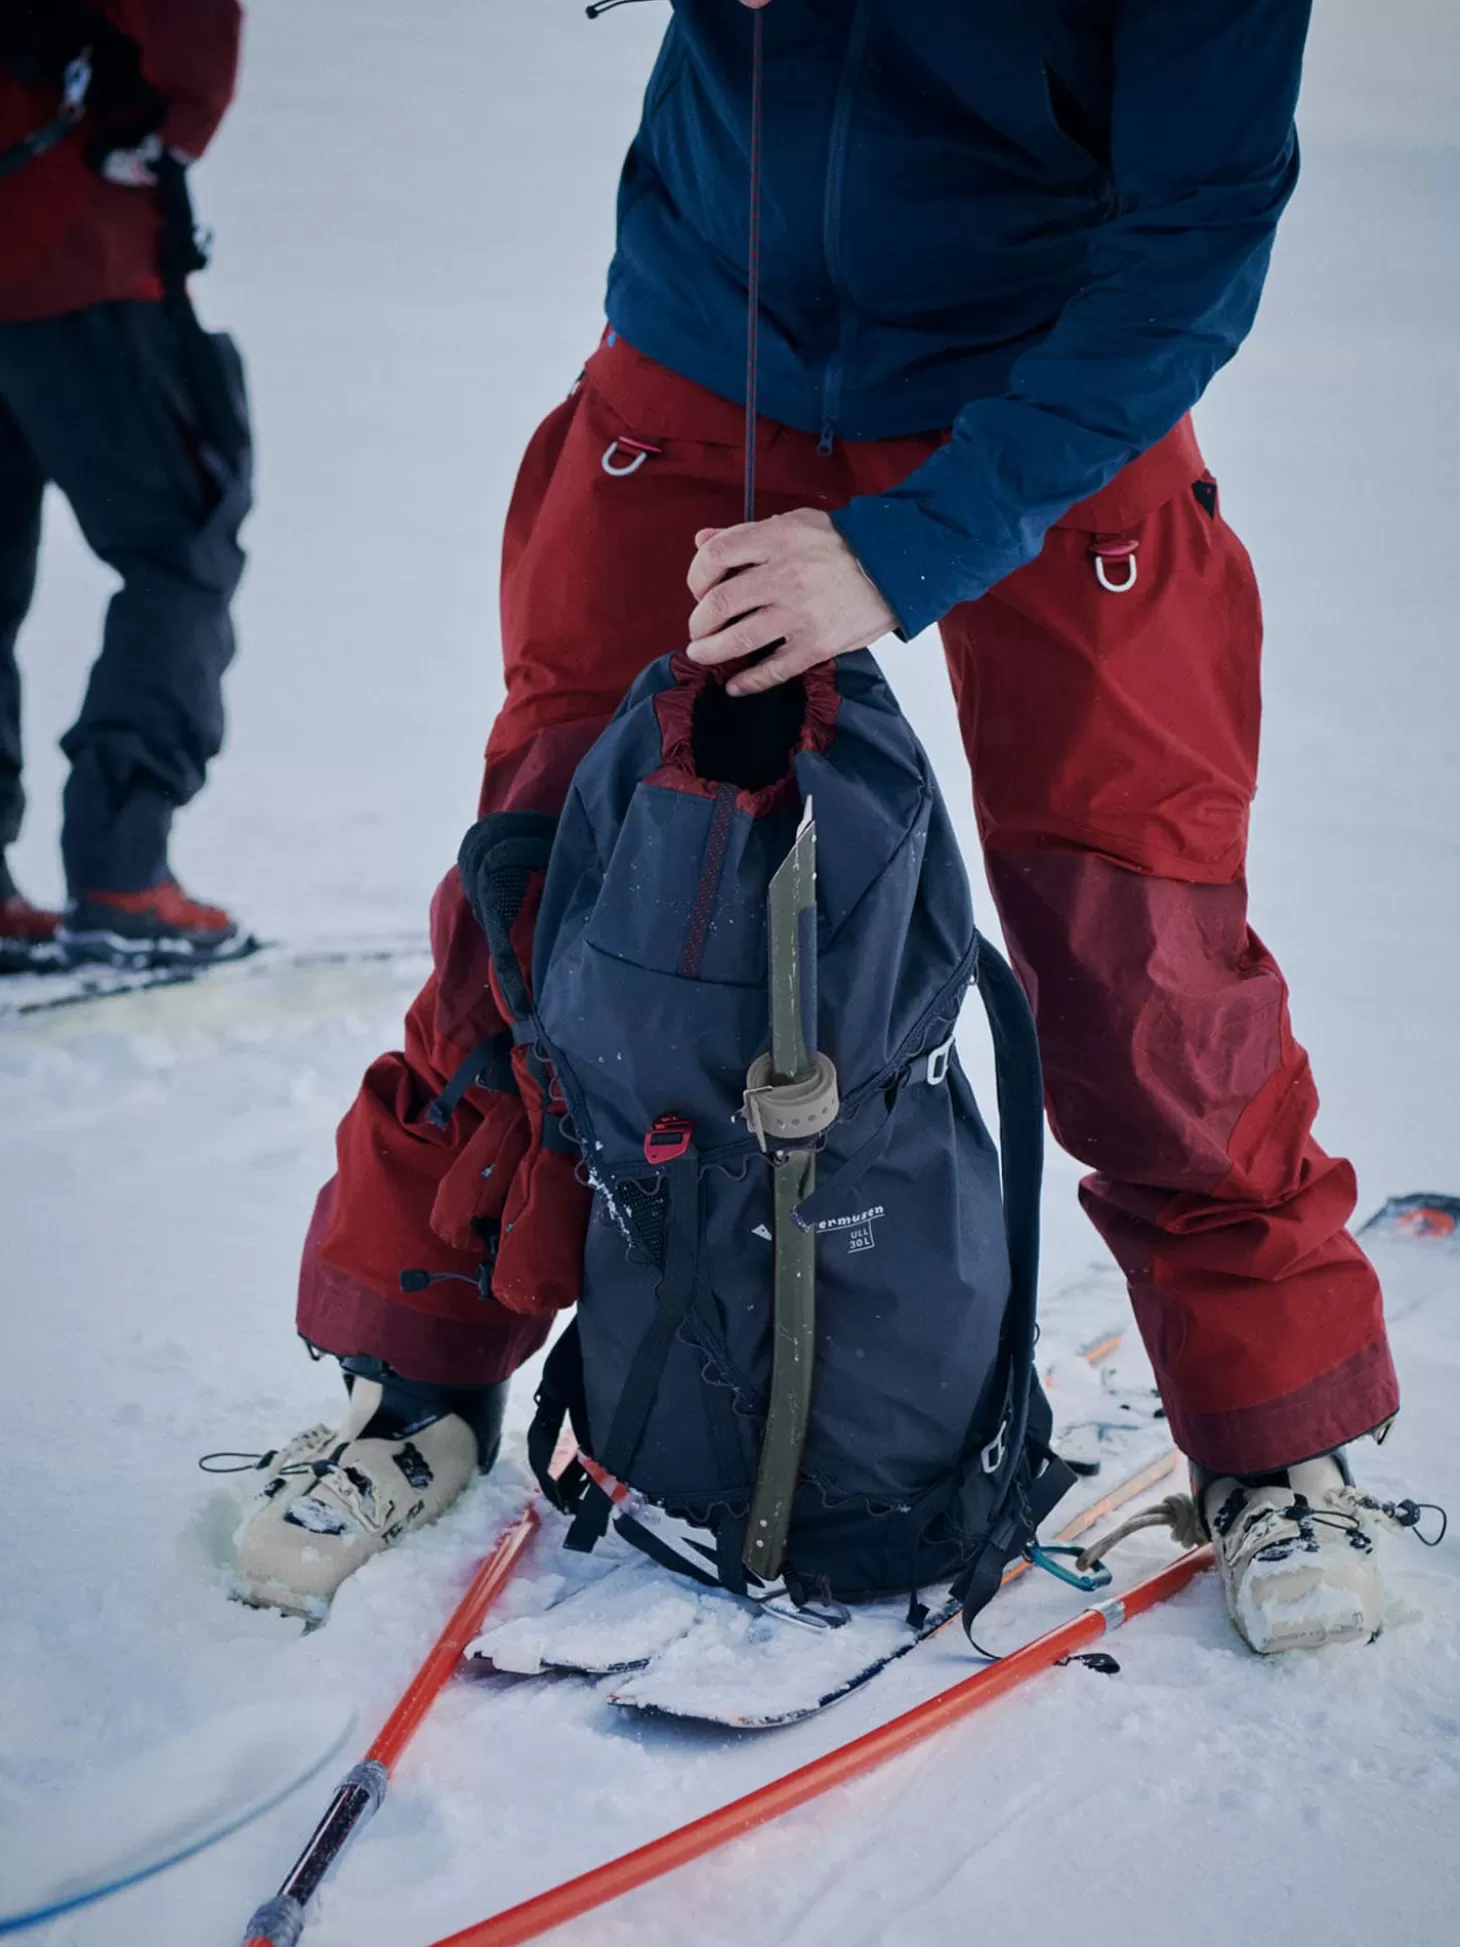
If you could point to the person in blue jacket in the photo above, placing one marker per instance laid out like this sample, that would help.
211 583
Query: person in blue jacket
1003 246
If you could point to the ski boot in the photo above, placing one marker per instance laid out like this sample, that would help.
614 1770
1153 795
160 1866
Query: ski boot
161 927
334 1497
27 934
1295 1548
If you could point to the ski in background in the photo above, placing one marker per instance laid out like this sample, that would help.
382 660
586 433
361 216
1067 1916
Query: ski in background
26 995
1422 1217
51 962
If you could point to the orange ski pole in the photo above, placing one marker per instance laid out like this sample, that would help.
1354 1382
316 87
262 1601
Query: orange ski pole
279 1922
594 1889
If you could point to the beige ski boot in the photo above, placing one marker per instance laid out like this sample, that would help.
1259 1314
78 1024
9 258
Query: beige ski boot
1296 1554
336 1497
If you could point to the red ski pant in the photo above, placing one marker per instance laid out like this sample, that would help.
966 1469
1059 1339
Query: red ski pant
1112 735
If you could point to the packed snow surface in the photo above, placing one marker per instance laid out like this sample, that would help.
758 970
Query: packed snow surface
413 209
145 1809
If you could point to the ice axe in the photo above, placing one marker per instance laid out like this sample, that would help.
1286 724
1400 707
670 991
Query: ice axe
790 1099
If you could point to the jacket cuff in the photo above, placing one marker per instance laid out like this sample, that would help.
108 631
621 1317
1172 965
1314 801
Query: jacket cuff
921 570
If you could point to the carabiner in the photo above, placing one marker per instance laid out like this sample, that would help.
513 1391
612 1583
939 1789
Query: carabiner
1042 1556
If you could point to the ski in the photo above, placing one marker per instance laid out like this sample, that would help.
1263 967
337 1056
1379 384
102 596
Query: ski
860 1755
1423 1217
727 1671
176 991
755 1663
52 963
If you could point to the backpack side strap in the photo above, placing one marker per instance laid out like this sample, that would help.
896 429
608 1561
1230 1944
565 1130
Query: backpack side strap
560 1399
676 1290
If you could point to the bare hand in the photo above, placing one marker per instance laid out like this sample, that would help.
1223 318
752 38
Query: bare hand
791 580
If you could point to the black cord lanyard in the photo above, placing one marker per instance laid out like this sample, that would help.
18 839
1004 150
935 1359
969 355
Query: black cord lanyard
752 321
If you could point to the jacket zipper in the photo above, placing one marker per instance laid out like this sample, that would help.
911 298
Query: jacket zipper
841 119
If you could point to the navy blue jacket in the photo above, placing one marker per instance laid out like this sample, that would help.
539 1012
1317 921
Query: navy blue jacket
1044 223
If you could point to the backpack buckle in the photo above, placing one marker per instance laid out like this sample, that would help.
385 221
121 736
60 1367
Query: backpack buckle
993 1456
939 1059
668 1139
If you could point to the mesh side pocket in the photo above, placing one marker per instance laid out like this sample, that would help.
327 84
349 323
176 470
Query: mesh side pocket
646 1205
502 889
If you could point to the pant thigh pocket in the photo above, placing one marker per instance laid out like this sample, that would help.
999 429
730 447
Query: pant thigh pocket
1118 697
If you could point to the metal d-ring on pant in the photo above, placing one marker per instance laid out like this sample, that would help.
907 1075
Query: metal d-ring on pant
1103 550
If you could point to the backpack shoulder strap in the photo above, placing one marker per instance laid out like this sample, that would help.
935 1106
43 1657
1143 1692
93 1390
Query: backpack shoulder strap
1018 1493
1020 1081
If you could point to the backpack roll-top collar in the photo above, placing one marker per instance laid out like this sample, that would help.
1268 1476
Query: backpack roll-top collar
710 738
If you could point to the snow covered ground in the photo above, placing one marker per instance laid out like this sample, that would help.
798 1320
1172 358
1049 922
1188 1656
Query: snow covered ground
413 218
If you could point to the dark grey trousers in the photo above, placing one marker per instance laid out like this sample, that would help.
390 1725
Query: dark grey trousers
97 403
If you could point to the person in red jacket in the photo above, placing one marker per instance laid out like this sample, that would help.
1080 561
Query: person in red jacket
110 391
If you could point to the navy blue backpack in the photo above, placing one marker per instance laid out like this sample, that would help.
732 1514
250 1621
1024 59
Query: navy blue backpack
925 1459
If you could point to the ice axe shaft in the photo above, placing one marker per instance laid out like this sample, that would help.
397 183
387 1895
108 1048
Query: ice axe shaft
786 1091
792 895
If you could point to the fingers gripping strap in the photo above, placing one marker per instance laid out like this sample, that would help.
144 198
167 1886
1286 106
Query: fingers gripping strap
498 860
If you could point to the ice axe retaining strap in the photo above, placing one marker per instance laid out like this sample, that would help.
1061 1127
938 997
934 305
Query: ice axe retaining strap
787 1113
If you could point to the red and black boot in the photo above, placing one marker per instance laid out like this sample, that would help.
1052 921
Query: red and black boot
27 933
161 927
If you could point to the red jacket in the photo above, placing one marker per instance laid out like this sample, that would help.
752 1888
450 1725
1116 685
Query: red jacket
67 237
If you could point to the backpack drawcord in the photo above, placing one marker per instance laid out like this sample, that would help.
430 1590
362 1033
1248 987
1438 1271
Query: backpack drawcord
1180 1513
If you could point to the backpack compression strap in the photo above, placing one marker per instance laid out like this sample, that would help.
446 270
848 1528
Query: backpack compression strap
561 1392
